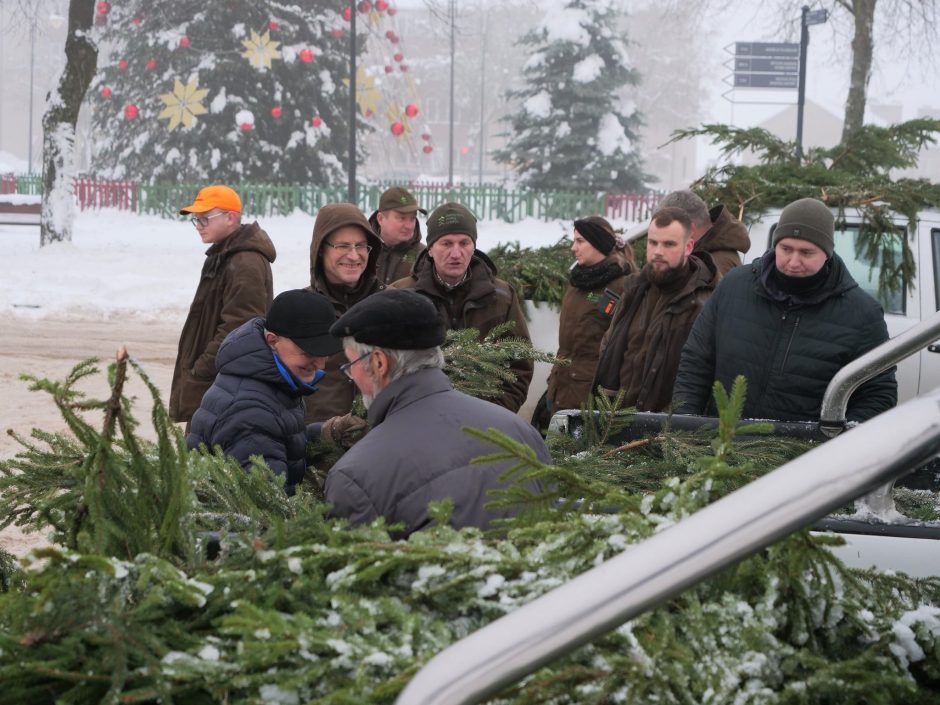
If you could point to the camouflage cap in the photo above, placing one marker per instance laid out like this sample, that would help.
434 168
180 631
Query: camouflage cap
399 199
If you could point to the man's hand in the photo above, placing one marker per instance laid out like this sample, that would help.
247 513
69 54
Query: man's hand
344 431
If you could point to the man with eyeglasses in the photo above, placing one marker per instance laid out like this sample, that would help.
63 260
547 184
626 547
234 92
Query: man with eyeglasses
236 285
343 255
396 223
417 450
266 368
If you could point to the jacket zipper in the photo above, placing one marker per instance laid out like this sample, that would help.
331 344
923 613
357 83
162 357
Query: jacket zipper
786 355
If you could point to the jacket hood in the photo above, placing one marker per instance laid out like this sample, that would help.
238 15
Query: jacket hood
726 233
247 237
245 353
329 219
415 238
838 282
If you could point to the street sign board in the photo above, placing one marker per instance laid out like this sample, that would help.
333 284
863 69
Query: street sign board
766 80
816 17
767 49
748 64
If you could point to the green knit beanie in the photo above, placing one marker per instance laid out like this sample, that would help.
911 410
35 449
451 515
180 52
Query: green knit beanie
451 219
807 219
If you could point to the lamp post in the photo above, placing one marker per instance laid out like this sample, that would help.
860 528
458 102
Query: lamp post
807 18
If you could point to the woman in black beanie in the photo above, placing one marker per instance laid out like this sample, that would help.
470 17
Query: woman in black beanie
595 285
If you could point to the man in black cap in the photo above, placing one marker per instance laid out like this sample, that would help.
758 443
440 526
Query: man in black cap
396 223
788 322
416 450
461 282
265 368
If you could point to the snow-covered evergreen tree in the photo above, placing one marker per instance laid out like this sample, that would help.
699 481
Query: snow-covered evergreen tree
223 90
576 125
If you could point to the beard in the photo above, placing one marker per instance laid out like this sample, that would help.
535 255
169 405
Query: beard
669 275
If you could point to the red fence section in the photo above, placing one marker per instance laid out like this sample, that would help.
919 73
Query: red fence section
632 207
7 183
93 193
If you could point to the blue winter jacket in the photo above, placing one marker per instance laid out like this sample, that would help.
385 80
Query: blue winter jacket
254 407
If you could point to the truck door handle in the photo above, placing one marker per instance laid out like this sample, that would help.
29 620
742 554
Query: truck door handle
935 348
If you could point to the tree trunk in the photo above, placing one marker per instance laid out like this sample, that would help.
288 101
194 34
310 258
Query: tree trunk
58 125
862 49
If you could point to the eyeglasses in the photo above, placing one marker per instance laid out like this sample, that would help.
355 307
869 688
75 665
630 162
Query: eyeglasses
345 247
202 221
346 367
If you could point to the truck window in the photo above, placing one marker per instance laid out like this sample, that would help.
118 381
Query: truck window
935 251
867 276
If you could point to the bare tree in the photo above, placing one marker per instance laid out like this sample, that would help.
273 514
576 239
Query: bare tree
58 124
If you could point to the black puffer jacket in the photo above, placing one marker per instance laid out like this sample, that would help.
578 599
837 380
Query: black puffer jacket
788 347
252 408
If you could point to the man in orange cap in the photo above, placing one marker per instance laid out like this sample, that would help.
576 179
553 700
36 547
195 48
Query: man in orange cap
235 286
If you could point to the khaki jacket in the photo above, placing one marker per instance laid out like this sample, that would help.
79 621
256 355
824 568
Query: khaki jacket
394 263
725 239
235 286
482 302
586 313
335 391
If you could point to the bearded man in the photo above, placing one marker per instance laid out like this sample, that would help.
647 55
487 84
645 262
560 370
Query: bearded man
640 352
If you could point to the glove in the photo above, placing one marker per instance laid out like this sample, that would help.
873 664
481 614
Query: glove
343 431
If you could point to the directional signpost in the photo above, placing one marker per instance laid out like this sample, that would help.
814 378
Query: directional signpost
766 65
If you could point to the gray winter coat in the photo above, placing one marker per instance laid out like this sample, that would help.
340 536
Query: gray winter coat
417 452
253 408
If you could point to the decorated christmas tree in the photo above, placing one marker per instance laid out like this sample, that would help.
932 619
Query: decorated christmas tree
576 123
223 90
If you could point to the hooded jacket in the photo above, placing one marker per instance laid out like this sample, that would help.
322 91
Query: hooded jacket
646 370
787 346
254 408
235 285
336 392
586 312
483 302
725 239
417 451
394 263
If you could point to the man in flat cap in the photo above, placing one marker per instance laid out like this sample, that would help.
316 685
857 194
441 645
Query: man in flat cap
461 282
396 223
416 450
266 368
788 322
235 285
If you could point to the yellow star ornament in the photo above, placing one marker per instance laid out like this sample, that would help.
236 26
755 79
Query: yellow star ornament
183 104
261 50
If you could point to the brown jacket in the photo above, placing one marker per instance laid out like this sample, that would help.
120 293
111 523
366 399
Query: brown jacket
394 263
335 393
657 320
586 313
481 302
236 285
724 240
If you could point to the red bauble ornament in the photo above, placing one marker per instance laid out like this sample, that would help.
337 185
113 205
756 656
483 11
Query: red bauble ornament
411 110
337 33
426 136
427 149
465 151
273 25
130 111
184 42
122 64
392 11
275 112
102 8
136 21
381 5
306 55
389 69
247 127
365 7
316 121
105 92
398 57
394 40
369 113
151 64
403 67
390 35
398 128
347 13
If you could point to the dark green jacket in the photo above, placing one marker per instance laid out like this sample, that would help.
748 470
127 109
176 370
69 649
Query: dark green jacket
788 348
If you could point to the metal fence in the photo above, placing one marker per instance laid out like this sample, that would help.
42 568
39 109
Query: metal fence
487 201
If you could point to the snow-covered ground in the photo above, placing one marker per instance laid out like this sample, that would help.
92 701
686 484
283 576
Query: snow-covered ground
121 264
